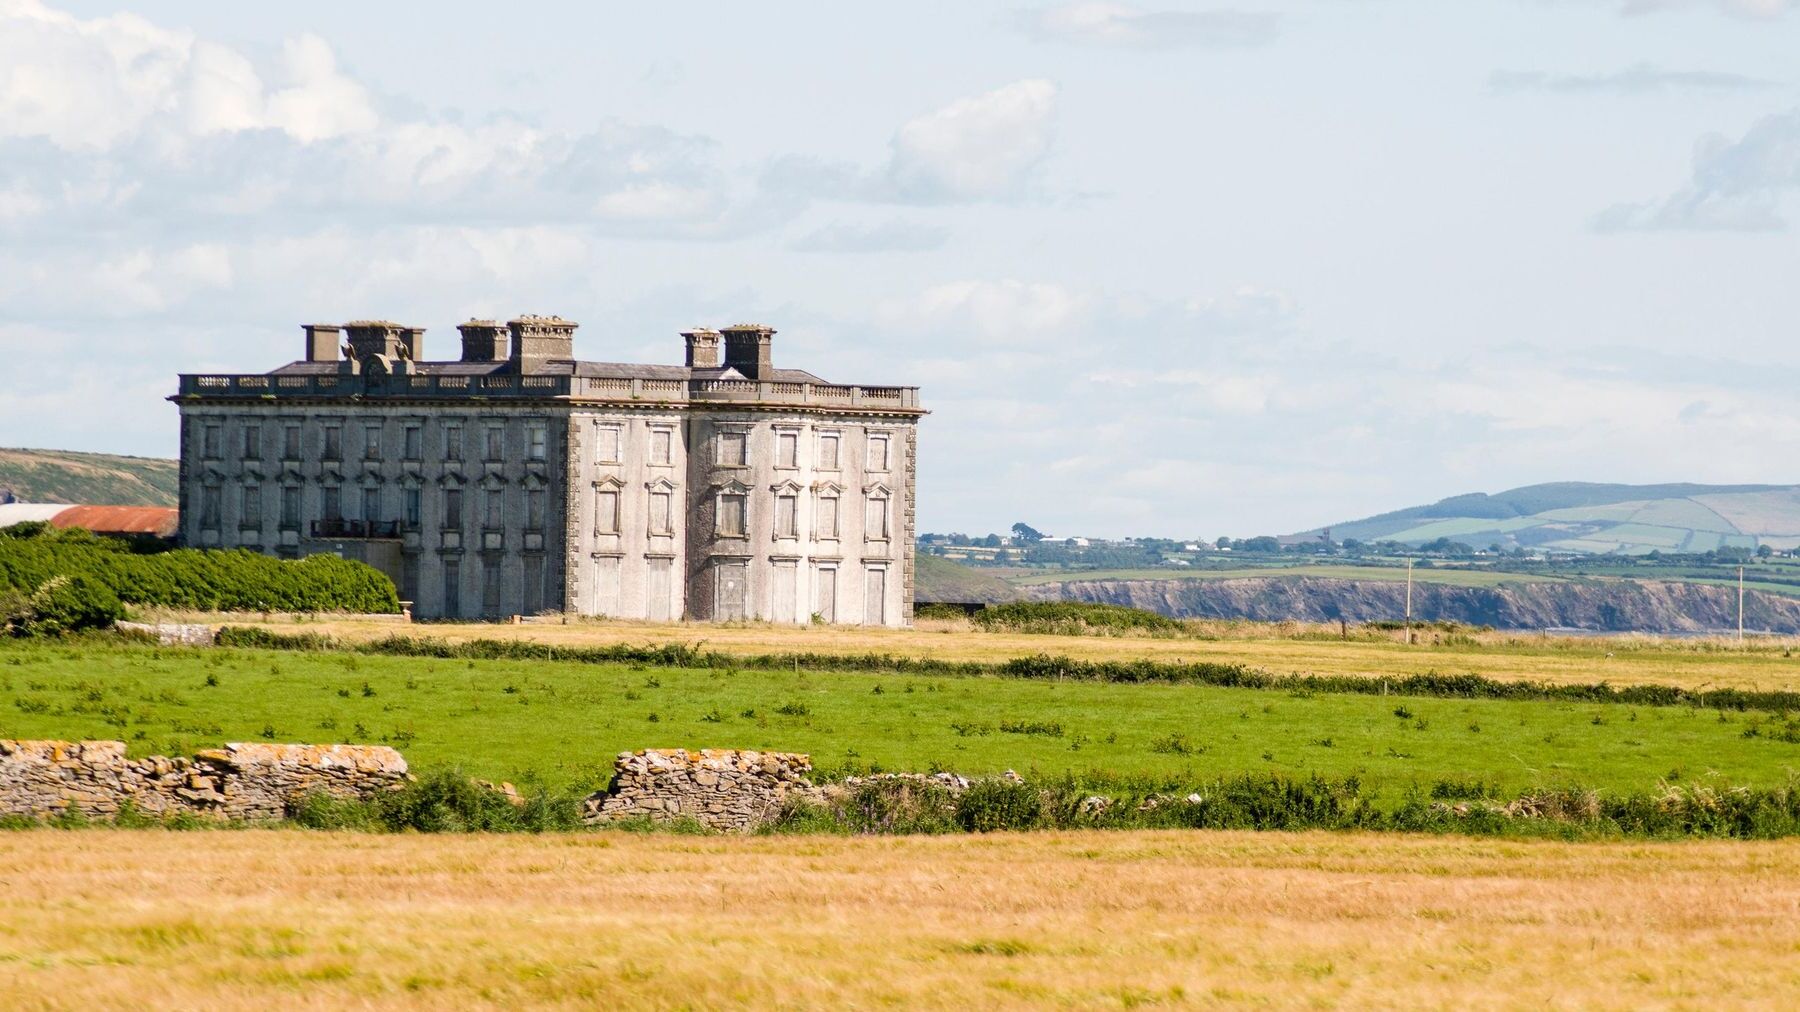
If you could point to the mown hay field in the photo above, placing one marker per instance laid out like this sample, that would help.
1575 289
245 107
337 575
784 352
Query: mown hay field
562 722
1282 649
133 919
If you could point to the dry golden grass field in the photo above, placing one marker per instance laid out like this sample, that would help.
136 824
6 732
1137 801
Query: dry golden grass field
272 918
1280 648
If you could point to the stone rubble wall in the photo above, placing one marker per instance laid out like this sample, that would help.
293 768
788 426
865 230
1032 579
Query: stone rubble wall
242 781
172 634
722 789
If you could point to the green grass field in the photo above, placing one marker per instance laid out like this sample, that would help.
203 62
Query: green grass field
565 721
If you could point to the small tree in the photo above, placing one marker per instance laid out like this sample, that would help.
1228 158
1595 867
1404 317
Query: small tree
1027 533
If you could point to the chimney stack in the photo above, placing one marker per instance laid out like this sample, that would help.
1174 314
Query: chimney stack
537 340
702 348
380 337
484 341
321 342
747 349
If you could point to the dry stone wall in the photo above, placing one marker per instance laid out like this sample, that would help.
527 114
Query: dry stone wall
244 781
722 789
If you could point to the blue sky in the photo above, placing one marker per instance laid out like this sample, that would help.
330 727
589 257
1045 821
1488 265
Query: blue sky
1162 268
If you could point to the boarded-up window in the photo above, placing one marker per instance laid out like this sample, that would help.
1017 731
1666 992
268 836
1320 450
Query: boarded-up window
490 587
606 444
606 511
333 508
209 442
334 443
659 588
534 509
662 446
452 588
209 506
371 504
878 452
496 509
453 507
290 443
828 451
827 519
875 597
731 585
787 449
875 519
782 591
252 512
290 506
496 443
731 448
787 516
733 514
412 508
372 442
453 442
662 512
252 442
826 605
414 444
606 585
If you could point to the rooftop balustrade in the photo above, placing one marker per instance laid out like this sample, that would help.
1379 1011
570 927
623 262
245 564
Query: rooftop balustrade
577 388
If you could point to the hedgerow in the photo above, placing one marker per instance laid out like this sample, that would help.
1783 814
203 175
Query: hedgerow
1063 617
1436 684
34 557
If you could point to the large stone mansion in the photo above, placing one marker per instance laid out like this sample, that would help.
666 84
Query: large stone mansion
518 480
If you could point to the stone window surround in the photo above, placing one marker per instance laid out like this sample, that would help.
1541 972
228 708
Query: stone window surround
819 458
879 492
789 490
660 486
740 491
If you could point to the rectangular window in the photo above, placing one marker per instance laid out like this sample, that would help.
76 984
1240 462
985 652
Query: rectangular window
534 584
827 520
290 443
495 505
490 587
878 452
372 442
731 448
452 588
787 516
334 443
209 442
496 442
409 578
662 513
209 507
252 442
452 442
371 504
290 506
251 515
453 508
828 451
875 521
733 514
606 444
415 442
534 508
787 449
332 508
537 441
412 508
662 446
606 511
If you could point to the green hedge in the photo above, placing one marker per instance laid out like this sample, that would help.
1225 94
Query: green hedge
32 556
1071 617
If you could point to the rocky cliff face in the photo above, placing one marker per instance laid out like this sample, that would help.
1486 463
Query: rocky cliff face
1599 605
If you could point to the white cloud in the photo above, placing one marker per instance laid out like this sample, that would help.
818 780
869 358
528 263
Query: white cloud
1739 8
1123 26
1736 185
976 148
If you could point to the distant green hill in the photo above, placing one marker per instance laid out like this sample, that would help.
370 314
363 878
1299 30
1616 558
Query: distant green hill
1598 518
99 479
938 580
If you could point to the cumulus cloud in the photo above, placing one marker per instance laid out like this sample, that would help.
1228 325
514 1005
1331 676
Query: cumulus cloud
1736 185
1126 27
1007 311
981 147
1639 79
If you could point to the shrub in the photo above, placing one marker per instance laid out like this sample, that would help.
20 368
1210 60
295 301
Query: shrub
66 604
1072 617
443 801
32 555
999 803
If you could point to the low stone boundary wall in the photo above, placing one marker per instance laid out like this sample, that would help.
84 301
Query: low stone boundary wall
172 634
722 789
245 781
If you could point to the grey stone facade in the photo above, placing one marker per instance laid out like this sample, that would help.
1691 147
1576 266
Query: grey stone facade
519 480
